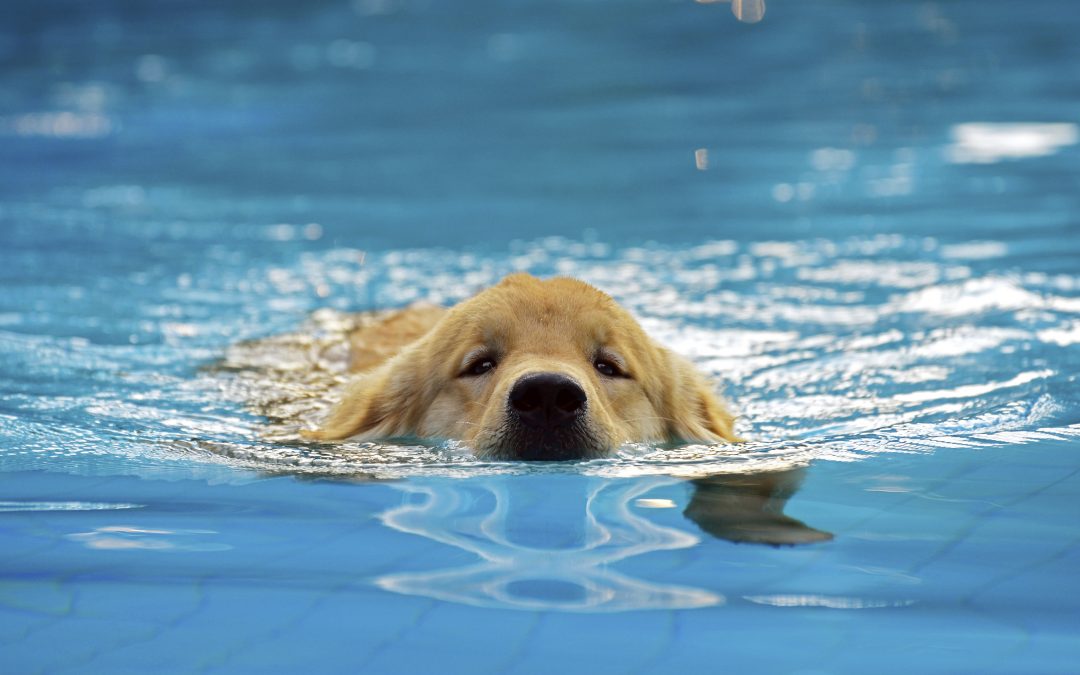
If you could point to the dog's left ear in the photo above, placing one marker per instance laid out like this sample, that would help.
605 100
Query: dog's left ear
694 411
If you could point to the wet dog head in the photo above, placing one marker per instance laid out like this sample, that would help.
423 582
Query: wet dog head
538 370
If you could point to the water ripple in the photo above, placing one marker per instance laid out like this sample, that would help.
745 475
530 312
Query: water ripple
830 350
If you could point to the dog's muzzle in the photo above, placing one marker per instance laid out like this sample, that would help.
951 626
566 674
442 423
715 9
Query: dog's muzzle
548 411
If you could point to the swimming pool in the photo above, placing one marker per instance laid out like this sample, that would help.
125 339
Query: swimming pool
861 217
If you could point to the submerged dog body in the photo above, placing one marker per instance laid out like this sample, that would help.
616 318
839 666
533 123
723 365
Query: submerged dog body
527 369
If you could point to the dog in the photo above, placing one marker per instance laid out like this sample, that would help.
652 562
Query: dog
528 369
525 370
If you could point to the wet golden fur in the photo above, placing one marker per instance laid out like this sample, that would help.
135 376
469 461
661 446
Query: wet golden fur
414 372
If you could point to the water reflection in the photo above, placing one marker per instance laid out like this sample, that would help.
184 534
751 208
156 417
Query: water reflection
131 538
554 552
749 508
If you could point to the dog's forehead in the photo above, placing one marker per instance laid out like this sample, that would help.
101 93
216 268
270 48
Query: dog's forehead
528 308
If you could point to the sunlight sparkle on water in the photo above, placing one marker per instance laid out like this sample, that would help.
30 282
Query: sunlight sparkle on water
989 143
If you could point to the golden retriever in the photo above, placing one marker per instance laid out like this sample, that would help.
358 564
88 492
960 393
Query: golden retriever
528 369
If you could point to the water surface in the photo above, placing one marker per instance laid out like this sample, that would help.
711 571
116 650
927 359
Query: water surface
859 218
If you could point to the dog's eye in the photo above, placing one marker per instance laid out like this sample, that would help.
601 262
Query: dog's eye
608 368
480 366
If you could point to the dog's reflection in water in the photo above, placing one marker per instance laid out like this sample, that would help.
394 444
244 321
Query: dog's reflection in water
749 508
488 519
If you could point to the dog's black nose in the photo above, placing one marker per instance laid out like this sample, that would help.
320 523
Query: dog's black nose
547 400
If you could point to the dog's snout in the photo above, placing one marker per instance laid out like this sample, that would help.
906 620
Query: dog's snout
547 400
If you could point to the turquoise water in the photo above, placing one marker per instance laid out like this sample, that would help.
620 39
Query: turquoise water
860 218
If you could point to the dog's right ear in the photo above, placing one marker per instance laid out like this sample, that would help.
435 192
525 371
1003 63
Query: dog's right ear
694 412
382 403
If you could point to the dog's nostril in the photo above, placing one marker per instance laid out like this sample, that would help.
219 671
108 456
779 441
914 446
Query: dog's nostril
570 399
527 400
547 400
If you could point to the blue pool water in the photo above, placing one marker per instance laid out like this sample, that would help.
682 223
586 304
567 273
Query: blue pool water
862 218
